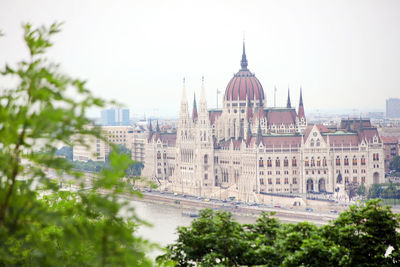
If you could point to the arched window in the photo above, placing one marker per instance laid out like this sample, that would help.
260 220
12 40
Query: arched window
312 142
337 161
261 162
318 162
306 162
285 162
363 161
354 161
312 162
277 162
294 163
269 162
206 159
324 162
158 155
346 161
318 142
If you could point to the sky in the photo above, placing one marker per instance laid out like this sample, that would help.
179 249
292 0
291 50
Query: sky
344 54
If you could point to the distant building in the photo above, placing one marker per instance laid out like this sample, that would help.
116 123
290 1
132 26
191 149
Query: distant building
393 108
98 150
115 117
390 148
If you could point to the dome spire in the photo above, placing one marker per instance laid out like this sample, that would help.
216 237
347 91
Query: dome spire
243 62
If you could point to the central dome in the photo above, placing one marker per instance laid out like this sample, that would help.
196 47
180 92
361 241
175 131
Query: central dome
244 85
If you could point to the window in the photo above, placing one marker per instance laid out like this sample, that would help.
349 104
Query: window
294 180
205 159
269 181
278 172
277 162
278 180
286 180
294 172
158 155
354 161
318 142
205 176
294 163
346 161
285 162
355 180
312 162
260 163
362 161
318 162
269 162
261 181
363 179
324 162
337 161
306 163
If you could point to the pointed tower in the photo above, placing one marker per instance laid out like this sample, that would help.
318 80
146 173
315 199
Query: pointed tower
288 105
243 62
301 118
150 127
157 127
194 112
185 123
259 134
301 107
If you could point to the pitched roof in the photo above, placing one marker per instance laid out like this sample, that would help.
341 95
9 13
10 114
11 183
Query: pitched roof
213 114
280 116
277 141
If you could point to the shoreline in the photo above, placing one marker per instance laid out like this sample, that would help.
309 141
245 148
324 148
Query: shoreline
284 215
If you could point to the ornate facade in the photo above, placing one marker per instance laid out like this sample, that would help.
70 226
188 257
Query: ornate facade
246 149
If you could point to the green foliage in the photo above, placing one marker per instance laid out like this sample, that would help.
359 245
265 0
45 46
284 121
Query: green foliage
395 164
358 237
39 225
361 190
385 191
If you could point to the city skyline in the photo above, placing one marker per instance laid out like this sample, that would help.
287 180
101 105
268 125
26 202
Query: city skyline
138 52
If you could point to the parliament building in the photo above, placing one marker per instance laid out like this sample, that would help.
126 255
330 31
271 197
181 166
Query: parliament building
247 149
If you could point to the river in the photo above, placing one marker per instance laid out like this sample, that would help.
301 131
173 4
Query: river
165 219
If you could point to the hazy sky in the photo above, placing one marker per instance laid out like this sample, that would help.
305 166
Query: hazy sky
344 54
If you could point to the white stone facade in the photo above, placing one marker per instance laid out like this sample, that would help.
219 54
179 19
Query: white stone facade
247 149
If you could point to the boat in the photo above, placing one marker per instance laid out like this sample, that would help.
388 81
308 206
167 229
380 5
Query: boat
192 214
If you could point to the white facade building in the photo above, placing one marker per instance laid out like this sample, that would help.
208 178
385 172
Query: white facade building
247 149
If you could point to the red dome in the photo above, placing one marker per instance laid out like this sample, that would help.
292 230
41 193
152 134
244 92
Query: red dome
243 85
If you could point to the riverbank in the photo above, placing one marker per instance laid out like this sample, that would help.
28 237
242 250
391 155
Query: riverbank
282 214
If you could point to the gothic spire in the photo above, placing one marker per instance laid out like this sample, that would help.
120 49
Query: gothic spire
194 112
301 97
157 127
288 105
243 62
301 107
150 127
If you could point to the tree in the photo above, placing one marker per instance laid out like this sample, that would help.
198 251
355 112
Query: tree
395 164
39 225
358 237
361 190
